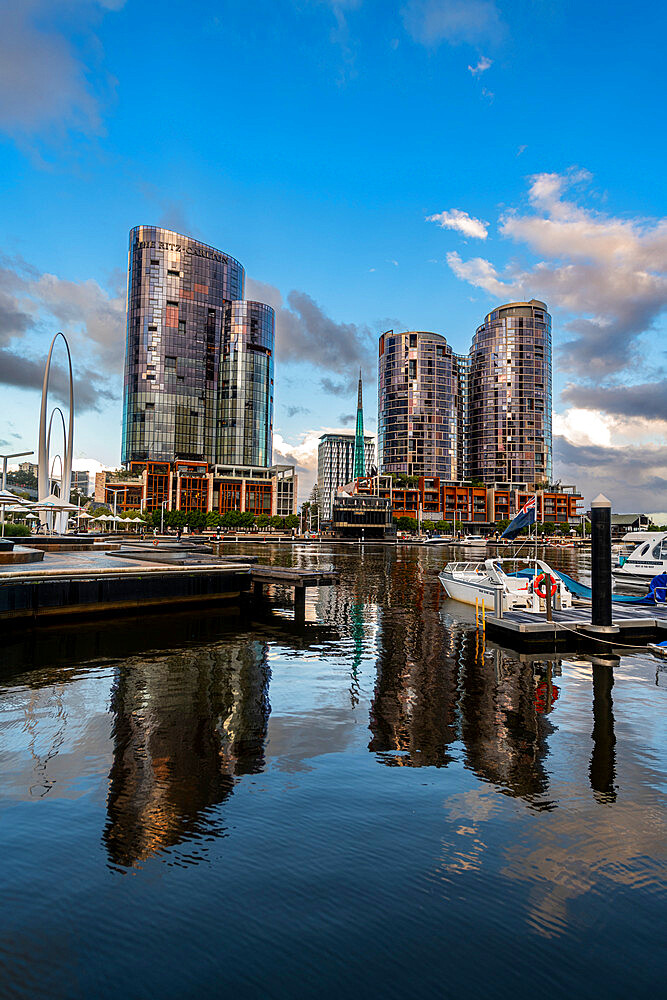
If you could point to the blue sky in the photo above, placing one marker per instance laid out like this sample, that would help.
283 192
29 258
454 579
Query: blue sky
314 140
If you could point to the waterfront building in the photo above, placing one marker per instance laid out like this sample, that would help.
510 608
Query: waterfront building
336 465
359 444
363 517
509 437
199 359
468 506
199 486
420 405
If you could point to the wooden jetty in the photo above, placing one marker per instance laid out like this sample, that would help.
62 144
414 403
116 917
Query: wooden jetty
297 578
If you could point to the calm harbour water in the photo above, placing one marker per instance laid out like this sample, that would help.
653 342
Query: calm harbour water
371 803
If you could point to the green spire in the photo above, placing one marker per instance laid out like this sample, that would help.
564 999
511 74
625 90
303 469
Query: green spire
359 453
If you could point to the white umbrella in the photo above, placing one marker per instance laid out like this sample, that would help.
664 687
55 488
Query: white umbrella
138 520
53 502
32 517
7 497
83 514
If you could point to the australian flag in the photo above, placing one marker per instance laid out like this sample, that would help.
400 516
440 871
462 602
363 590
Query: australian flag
527 515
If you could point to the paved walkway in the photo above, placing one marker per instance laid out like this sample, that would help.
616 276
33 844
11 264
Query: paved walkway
76 563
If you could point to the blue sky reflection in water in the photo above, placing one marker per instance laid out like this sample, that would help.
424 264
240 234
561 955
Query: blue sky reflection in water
371 805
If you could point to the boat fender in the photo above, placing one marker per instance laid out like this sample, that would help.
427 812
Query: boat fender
541 579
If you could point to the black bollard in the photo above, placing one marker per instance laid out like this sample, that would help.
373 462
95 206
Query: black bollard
601 563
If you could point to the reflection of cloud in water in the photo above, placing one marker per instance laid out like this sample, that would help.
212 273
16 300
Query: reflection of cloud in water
623 845
296 739
475 805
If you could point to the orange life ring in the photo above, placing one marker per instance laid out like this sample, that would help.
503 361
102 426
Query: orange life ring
543 577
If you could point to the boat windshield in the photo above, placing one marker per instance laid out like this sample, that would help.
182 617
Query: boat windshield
465 567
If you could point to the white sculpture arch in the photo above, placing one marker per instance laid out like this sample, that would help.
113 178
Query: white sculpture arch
43 471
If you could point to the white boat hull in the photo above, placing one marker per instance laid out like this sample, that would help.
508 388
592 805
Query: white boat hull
485 583
467 593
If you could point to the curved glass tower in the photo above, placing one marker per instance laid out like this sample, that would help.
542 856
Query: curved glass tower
178 291
420 405
510 395
245 423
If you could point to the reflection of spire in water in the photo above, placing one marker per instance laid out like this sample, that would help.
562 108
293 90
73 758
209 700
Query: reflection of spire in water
357 628
185 725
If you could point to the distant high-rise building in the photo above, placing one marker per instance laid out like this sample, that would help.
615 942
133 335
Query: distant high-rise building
81 482
509 437
359 447
336 465
199 359
420 405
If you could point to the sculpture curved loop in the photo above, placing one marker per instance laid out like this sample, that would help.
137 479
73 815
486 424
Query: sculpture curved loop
50 465
43 485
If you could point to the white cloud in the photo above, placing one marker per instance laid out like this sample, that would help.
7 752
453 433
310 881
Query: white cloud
478 272
581 427
455 21
482 65
303 454
33 306
461 222
609 273
45 84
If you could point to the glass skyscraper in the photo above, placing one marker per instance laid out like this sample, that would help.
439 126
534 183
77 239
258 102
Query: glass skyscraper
198 361
484 416
245 425
420 405
509 396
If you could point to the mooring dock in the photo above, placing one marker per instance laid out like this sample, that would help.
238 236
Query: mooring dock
573 625
297 578
141 577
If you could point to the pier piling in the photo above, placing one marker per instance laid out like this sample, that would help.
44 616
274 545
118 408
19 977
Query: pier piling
601 620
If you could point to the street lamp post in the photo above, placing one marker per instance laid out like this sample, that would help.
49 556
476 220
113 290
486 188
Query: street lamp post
162 505
16 454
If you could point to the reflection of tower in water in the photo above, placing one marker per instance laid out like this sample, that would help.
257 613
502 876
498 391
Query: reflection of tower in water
186 725
435 686
413 712
504 724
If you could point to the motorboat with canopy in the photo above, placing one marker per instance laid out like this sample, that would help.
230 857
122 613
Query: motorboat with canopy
646 561
488 582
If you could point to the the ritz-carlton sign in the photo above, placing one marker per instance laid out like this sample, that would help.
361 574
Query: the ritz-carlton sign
196 251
